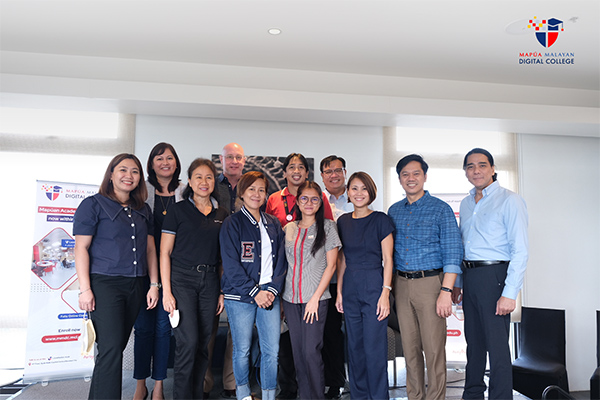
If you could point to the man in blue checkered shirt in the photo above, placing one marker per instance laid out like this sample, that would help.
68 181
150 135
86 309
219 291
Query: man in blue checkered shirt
428 253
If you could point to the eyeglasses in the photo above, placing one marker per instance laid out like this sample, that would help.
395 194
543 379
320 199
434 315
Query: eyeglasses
338 171
237 158
305 199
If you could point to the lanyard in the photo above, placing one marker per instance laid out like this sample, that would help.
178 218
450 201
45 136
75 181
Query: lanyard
289 215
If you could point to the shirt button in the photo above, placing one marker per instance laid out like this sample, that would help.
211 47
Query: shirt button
132 224
133 249
129 215
125 208
135 263
133 237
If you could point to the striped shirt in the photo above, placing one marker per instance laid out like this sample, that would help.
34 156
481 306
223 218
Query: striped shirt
305 270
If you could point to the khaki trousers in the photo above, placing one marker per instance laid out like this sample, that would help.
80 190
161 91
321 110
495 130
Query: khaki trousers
422 331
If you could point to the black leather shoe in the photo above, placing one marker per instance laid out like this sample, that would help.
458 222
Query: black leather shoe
333 393
284 395
228 394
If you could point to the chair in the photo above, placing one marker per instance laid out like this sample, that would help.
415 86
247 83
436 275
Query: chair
595 379
541 361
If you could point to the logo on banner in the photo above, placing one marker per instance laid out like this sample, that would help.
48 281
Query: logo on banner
52 191
546 31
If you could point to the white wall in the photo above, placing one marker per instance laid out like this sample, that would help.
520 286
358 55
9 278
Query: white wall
560 179
362 147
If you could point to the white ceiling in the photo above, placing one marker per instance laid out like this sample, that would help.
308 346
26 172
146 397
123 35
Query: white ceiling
392 49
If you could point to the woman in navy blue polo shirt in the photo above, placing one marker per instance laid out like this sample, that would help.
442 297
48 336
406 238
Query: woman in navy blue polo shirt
254 266
189 269
114 252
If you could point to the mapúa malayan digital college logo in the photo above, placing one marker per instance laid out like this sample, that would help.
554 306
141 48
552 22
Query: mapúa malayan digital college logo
52 191
546 33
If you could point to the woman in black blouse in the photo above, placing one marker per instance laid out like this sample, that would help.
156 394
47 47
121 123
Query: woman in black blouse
152 327
189 268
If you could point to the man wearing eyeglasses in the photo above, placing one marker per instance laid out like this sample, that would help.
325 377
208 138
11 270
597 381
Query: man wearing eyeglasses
333 173
233 160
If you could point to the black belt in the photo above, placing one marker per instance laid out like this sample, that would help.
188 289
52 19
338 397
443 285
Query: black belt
199 267
205 268
419 274
482 263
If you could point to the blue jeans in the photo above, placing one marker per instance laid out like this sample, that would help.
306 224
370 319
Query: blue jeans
152 342
242 317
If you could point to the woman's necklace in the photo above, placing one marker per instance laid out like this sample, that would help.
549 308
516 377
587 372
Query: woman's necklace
163 204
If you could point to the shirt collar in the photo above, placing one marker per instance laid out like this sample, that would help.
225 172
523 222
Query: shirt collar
249 215
491 188
213 201
333 199
286 192
222 178
417 203
113 208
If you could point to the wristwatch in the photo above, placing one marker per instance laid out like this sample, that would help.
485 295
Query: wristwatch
157 284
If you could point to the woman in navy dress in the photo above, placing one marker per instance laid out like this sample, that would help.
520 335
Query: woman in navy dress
364 287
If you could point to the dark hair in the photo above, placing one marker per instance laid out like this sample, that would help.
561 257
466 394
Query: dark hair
367 181
157 150
404 161
138 195
479 150
329 159
188 193
248 179
319 216
289 158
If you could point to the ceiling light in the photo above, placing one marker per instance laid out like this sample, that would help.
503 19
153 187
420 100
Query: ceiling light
274 31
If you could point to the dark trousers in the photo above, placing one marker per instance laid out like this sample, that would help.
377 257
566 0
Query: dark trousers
486 332
196 294
333 344
367 337
118 301
307 342
152 342
286 374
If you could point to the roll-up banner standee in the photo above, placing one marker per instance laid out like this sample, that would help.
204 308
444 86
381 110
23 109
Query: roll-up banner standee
54 325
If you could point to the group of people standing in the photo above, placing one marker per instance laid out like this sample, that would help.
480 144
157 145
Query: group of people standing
305 256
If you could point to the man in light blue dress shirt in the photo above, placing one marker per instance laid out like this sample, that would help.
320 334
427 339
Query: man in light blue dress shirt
333 173
493 223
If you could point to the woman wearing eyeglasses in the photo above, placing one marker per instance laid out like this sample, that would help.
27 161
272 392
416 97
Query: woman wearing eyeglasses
368 244
311 248
282 205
